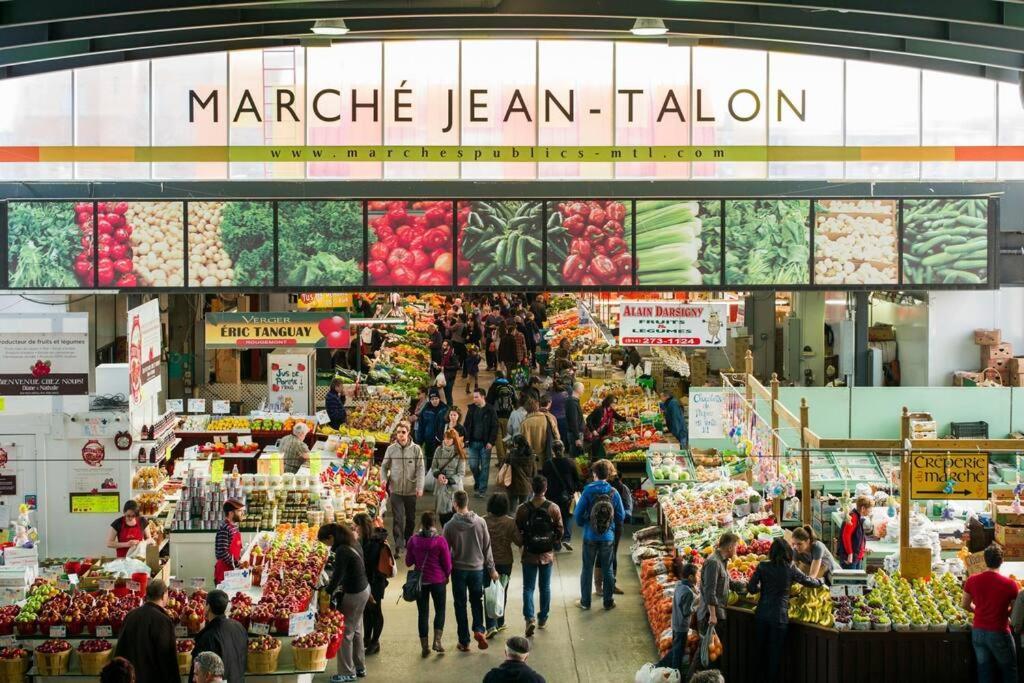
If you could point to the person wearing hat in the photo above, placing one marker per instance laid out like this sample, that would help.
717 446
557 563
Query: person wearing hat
227 547
514 669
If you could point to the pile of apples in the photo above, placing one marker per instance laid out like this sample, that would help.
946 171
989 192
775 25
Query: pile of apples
185 645
312 640
95 645
54 646
331 622
13 653
263 644
7 616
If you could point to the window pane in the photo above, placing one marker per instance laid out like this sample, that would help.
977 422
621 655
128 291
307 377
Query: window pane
230 244
1011 128
690 254
602 256
958 110
945 241
515 260
729 107
767 242
36 111
805 107
855 242
320 243
882 108
146 245
45 241
173 78
112 108
410 243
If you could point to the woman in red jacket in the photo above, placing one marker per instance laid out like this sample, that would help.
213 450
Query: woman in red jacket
851 535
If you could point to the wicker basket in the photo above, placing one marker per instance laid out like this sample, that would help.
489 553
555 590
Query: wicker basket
310 658
264 662
13 670
52 663
184 663
93 662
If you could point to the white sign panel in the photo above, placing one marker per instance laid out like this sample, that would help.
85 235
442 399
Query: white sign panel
672 323
705 414
144 340
44 364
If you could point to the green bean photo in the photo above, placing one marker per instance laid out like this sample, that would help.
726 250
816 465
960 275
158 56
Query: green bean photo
945 241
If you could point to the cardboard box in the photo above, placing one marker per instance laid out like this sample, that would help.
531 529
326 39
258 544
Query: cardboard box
967 378
990 354
988 337
975 563
1007 535
1004 514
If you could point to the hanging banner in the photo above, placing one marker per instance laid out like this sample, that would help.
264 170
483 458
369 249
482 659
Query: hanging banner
311 301
44 364
249 330
144 340
668 323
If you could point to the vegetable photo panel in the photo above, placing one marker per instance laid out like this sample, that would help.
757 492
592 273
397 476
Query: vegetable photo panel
410 243
855 242
320 243
588 242
50 246
767 242
501 243
230 244
945 241
678 242
142 242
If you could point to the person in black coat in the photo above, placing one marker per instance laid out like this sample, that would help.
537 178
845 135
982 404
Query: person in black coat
374 542
224 637
773 579
147 638
336 405
563 482
514 669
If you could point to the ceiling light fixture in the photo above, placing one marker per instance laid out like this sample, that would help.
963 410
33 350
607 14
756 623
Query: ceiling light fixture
644 26
330 27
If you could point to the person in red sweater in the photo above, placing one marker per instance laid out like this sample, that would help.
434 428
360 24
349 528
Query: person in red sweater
990 595
852 542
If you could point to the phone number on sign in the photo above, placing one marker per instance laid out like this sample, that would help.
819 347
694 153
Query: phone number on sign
661 341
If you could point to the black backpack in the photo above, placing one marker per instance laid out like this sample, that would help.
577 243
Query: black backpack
602 513
539 534
505 400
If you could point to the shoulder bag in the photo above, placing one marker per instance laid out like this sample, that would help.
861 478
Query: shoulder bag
504 477
412 586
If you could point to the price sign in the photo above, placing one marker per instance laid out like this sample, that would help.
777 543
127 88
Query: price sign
837 591
217 471
301 623
314 463
236 579
63 585
197 582
275 465
197 405
106 585
855 590
73 579
58 631
104 632
174 405
134 586
7 641
221 407
244 439
180 632
177 584
259 629
322 418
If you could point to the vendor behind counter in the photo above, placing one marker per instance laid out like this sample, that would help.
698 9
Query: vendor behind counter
128 530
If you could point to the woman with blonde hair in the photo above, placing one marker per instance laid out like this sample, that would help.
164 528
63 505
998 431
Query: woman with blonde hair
449 468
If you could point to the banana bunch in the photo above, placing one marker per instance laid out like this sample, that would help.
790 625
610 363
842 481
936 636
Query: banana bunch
811 605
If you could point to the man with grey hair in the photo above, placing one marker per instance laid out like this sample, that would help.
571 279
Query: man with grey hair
514 669
207 667
293 448
574 420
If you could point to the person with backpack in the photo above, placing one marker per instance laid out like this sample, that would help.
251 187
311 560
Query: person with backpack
481 435
430 556
627 505
502 529
502 396
598 511
852 541
574 420
523 463
539 530
516 418
470 542
379 562
563 483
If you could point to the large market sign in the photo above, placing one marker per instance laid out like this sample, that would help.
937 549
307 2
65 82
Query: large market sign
949 476
267 330
658 323
38 364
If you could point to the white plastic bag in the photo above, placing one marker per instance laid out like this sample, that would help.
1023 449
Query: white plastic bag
440 381
494 599
649 673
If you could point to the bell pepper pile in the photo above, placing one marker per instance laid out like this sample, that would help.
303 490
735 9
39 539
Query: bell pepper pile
413 243
590 239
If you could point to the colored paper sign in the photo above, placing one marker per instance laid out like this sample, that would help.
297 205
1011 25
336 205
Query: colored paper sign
95 503
217 471
314 463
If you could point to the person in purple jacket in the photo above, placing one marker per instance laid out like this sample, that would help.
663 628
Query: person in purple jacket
428 553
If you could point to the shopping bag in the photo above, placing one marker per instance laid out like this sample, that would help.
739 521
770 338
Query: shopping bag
710 647
440 381
649 673
494 600
428 481
504 477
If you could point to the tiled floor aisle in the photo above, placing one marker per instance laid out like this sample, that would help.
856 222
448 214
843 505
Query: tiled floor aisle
594 646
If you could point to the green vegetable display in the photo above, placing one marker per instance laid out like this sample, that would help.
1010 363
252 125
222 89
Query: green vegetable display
230 244
43 241
945 241
678 242
501 241
767 241
320 243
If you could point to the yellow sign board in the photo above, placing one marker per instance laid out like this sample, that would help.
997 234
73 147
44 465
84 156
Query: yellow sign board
915 563
949 476
217 471
314 463
309 301
105 503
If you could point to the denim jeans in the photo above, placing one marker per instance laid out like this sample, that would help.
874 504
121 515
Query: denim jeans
994 651
428 592
600 552
676 657
504 575
531 573
469 581
479 465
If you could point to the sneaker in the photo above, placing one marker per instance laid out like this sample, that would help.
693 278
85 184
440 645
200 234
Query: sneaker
579 603
542 623
618 591
462 648
481 642
531 626
610 605
338 678
490 633
501 627
360 673
567 546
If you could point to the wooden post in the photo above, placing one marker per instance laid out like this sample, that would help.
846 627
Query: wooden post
805 465
776 502
905 475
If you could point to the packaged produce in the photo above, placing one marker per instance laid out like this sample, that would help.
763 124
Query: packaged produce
588 243
855 242
945 241
767 241
678 243
501 243
410 243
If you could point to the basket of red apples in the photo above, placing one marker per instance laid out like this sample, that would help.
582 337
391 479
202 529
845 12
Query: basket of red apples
263 654
309 652
332 622
52 658
14 663
184 649
94 655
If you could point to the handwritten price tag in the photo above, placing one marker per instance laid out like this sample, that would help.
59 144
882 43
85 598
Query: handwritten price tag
197 405
175 405
180 632
104 632
221 407
259 629
177 584
134 586
301 623
322 417
63 585
106 585
58 631
197 582
73 579
837 591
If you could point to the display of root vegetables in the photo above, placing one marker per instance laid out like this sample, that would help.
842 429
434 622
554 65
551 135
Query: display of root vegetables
588 244
855 242
230 243
320 243
678 243
500 243
411 243
945 241
767 241
156 248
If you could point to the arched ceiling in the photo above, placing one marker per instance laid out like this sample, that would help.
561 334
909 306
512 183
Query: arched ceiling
972 37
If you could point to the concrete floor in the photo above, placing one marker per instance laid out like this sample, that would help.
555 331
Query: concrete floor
575 646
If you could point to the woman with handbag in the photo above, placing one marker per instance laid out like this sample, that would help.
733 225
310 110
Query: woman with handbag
449 468
379 563
502 530
431 558
349 592
563 487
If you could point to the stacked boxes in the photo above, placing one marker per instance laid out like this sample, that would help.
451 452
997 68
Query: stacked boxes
1009 525
997 355
1016 372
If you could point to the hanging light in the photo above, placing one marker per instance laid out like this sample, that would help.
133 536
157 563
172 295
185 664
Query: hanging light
644 26
330 27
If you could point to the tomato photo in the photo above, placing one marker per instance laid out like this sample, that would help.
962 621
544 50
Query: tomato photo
410 243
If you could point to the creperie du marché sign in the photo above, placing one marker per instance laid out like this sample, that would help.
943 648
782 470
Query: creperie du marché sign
668 323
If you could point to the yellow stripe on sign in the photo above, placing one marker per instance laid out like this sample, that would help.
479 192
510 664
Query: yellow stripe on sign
908 154
804 153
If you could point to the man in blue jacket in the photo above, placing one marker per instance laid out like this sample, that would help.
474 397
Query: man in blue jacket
430 425
598 512
674 419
